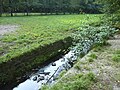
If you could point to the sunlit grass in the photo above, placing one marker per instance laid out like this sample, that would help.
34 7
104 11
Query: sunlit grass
36 31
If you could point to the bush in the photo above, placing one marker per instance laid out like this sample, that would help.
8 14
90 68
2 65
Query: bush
88 36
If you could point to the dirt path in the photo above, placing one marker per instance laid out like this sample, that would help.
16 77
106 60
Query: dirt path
115 43
106 70
7 29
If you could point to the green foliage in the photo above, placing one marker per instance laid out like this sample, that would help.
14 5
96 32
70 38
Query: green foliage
111 8
77 66
117 52
111 19
48 6
88 37
1 49
77 82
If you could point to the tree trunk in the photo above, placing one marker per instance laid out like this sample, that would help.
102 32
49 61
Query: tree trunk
27 8
1 7
11 11
10 5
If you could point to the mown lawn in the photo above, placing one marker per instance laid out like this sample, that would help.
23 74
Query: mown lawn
36 31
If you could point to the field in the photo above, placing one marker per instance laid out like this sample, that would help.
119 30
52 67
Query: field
37 31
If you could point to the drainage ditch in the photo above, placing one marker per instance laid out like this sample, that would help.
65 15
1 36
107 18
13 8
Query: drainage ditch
49 73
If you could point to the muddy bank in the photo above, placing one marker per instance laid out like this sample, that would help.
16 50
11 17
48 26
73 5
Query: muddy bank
18 66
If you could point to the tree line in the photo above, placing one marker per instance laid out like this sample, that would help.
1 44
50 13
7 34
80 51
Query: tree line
48 6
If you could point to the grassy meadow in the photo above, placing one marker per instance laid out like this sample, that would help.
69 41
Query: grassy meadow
37 31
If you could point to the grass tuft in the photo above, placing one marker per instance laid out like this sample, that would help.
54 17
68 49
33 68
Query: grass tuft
77 66
116 58
91 60
93 56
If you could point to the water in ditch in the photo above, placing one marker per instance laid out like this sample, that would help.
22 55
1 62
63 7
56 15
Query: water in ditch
49 74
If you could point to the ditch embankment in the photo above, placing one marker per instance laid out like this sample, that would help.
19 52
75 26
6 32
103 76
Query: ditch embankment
14 69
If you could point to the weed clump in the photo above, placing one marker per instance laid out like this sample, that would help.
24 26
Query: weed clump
116 58
93 56
77 66
91 60
117 52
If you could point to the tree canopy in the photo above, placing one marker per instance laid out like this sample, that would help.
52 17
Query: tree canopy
110 6
48 6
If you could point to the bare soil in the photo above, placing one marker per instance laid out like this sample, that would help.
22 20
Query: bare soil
4 29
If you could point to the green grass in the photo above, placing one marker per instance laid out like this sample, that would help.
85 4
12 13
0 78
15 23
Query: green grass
91 60
61 74
37 31
117 52
77 66
93 56
116 56
77 82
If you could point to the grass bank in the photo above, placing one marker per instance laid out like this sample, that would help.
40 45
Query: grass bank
38 31
37 39
98 70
